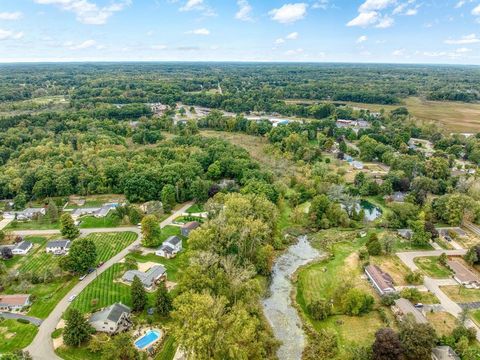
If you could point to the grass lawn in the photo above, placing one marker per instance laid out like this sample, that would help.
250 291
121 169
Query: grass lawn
41 224
173 266
104 291
80 353
186 219
403 244
461 294
431 266
48 295
195 208
15 336
89 222
168 349
442 322
110 244
476 316
427 297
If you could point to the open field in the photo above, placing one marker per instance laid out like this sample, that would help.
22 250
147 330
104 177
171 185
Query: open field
40 224
15 335
89 222
432 267
460 294
442 322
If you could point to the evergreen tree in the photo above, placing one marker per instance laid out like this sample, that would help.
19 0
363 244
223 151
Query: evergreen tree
163 302
52 212
77 330
68 228
139 295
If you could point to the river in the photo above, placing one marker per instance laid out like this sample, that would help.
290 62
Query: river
283 317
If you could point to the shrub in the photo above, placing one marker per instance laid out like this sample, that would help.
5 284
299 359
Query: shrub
23 321
389 299
411 294
415 277
320 309
356 302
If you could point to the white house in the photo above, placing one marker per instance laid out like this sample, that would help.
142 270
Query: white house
111 320
15 302
27 214
58 247
22 248
170 247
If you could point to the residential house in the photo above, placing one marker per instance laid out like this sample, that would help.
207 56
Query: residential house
381 281
112 320
58 247
358 165
463 275
98 212
27 214
170 247
22 248
404 308
188 227
444 353
149 279
15 302
405 233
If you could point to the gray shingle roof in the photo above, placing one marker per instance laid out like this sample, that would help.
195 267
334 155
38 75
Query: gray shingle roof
24 245
58 243
174 240
147 278
112 313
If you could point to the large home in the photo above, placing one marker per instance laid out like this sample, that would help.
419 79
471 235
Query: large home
149 279
404 308
98 212
27 214
170 247
188 227
22 248
444 353
112 320
15 302
463 275
381 281
58 247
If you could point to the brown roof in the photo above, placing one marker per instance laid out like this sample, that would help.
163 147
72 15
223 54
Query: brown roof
14 300
462 272
382 279
191 225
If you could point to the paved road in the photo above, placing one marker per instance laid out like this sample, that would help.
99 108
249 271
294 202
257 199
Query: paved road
408 257
433 285
31 319
42 346
4 223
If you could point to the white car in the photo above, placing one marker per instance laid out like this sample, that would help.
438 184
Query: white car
71 298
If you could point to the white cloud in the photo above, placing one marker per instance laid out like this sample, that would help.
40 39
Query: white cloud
385 22
279 41
467 39
88 12
244 10
320 4
158 47
294 52
372 5
476 11
460 4
10 35
83 45
192 5
292 36
201 31
411 12
289 13
399 52
362 39
11 15
365 19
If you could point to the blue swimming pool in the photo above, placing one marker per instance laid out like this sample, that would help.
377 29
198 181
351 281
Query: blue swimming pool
146 340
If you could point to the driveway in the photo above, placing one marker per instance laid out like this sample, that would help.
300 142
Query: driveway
32 320
4 223
42 346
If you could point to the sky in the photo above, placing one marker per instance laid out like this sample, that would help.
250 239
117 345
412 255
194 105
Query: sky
378 31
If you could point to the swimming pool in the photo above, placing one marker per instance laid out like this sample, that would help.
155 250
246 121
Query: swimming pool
148 339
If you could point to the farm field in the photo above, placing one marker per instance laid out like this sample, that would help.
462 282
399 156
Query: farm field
15 335
431 266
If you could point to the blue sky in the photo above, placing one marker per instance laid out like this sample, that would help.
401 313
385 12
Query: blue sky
395 31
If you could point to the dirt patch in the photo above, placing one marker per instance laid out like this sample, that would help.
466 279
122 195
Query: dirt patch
144 267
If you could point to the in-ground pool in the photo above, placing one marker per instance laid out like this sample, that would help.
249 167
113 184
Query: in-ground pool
148 339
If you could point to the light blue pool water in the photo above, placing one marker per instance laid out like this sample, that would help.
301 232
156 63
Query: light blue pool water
150 337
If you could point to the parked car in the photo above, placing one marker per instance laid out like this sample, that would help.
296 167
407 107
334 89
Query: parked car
82 277
71 298
419 306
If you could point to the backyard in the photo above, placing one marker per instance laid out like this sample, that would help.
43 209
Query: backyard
15 335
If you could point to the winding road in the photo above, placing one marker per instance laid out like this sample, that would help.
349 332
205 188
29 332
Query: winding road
42 346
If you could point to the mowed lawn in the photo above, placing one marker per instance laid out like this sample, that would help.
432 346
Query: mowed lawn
110 244
15 336
461 294
432 267
91 222
104 291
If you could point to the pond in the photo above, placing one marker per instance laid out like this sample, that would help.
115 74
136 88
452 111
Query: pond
372 212
278 308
